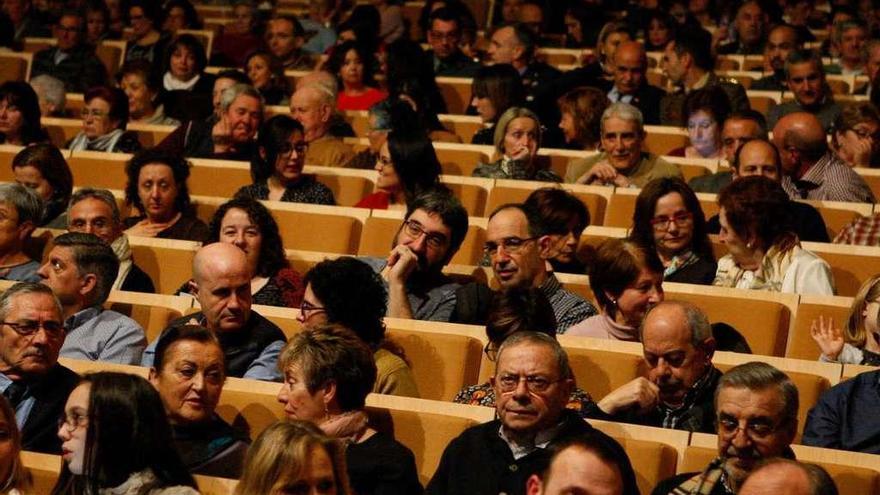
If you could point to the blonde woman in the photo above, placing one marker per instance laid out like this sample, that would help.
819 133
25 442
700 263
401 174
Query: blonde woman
17 478
859 342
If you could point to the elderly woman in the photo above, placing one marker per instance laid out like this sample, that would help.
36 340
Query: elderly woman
517 138
42 168
347 291
188 372
622 163
581 110
21 210
495 88
564 219
328 372
705 111
627 279
277 168
15 479
143 94
20 115
668 218
353 65
856 138
157 189
104 118
407 166
229 136
763 251
267 76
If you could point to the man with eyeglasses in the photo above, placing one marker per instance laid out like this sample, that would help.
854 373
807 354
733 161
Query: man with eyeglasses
222 287
444 33
31 335
756 409
518 247
71 60
431 233
532 384
805 77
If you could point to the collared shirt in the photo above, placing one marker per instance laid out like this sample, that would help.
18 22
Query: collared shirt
829 179
428 301
863 231
569 308
520 449
24 407
615 95
674 418
96 334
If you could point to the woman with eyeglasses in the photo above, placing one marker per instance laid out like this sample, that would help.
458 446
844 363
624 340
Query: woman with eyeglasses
116 440
856 138
668 219
511 311
277 167
104 118
517 139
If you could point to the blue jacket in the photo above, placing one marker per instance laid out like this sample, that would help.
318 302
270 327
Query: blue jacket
846 416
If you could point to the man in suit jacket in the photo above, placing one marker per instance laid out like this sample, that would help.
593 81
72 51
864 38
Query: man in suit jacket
630 85
31 335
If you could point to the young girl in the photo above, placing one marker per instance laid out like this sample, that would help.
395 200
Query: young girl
860 341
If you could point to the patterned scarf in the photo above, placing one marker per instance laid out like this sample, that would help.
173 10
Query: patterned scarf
768 276
101 143
680 262
705 482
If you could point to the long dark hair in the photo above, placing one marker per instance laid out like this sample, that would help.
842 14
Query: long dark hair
22 95
128 432
272 256
415 161
337 60
274 133
646 204
502 84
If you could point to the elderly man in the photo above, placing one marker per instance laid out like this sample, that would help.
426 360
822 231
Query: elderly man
314 106
810 169
739 128
71 60
688 63
519 247
749 25
21 210
848 38
31 334
51 95
80 270
845 417
806 79
790 477
630 84
622 162
781 41
756 408
444 34
222 286
285 37
94 211
679 388
532 383
431 233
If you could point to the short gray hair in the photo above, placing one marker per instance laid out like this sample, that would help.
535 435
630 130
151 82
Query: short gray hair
102 195
51 88
23 288
757 376
697 322
232 92
26 202
623 111
538 338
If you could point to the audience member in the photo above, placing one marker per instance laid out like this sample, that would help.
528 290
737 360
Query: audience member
347 292
531 15
105 415
222 286
805 78
564 217
146 41
515 45
158 191
380 123
186 87
517 139
627 280
328 86
20 115
104 118
749 28
622 162
859 343
16 477
495 88
51 95
142 90
629 83
739 127
225 79
97 18
72 59
353 66
781 40
778 475
284 37
21 209
583 22
268 78
845 416
180 14
22 21
581 110
235 40
862 231
705 111
871 54
328 372
277 167
42 168
856 138
659 30
444 34
407 167
313 105
847 38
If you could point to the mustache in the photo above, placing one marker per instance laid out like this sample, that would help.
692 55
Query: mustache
749 453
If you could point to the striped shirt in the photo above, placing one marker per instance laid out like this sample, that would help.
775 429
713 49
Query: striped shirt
829 179
96 334
569 308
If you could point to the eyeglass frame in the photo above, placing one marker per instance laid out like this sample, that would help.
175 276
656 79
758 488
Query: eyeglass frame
535 384
490 248
307 307
301 148
98 114
749 428
680 219
491 351
16 327
415 230
71 423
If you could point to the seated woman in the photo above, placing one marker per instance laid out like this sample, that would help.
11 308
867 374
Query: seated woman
668 219
98 23
277 167
20 208
104 118
267 76
659 29
512 311
15 479
407 166
856 138
859 343
235 40
146 41
494 89
627 279
763 251
180 14
143 94
328 372
105 417
581 110
188 372
353 66
348 292
517 139
20 115
42 167
705 111
564 219
293 457
157 189
186 87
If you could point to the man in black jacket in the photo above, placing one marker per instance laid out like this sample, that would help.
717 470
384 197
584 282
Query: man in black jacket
630 84
71 60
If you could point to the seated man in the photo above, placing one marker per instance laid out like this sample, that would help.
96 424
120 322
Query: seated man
532 384
630 84
749 27
51 95
71 60
778 475
431 233
848 37
31 334
285 37
679 388
846 416
622 163
444 34
314 106
783 38
222 286
518 247
738 128
21 210
756 408
805 77
94 211
81 269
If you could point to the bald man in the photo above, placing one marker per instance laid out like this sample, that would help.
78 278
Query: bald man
337 127
222 286
314 106
630 84
789 477
810 170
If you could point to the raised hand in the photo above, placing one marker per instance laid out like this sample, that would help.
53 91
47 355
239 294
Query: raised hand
829 339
